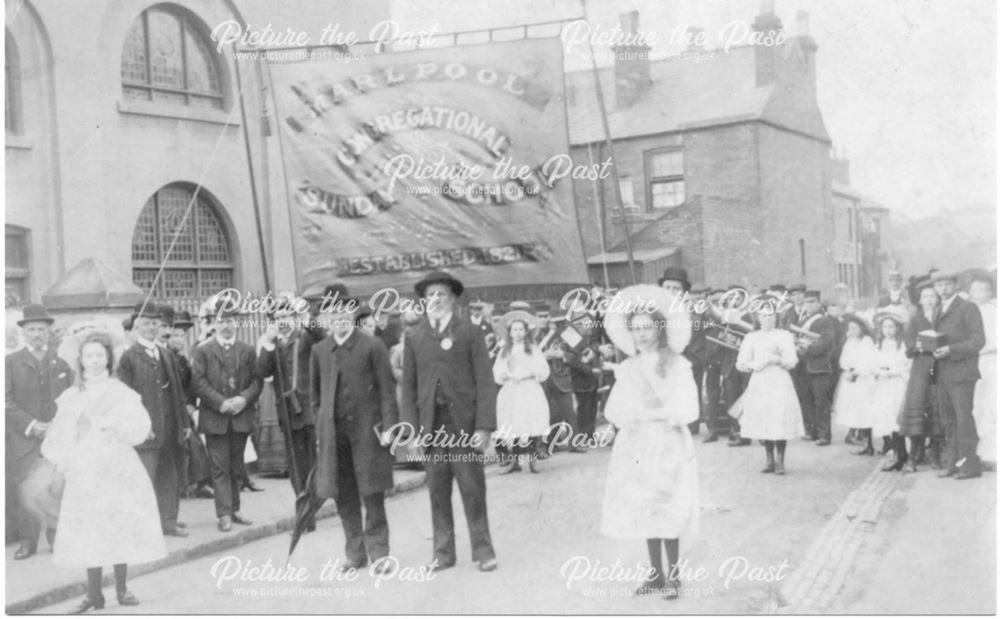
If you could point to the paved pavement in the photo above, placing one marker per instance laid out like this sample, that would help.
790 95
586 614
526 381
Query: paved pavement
755 530
37 581
835 535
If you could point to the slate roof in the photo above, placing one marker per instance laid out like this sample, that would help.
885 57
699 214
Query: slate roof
685 94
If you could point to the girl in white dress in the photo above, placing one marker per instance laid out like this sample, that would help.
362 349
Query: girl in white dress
769 409
891 369
853 398
651 491
522 408
108 513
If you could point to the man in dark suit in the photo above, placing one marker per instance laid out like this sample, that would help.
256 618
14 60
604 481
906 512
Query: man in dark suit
558 387
675 279
697 352
353 397
224 377
816 367
956 372
35 376
154 372
291 342
734 382
477 317
448 391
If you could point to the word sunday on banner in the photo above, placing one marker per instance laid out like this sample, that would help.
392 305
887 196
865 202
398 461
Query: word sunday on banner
433 158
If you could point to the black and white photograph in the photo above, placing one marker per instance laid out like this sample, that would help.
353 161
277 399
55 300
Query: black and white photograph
520 307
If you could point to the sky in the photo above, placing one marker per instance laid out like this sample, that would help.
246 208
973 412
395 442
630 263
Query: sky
907 87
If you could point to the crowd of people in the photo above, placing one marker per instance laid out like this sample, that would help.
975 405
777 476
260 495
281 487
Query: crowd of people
144 416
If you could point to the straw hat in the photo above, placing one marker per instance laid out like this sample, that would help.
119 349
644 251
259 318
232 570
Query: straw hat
503 326
642 298
69 348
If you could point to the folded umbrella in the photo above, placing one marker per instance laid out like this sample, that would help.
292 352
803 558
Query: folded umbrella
307 503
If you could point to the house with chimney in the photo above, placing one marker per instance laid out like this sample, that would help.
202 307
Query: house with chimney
723 163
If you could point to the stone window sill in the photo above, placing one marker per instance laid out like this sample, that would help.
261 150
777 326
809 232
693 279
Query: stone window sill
179 112
21 142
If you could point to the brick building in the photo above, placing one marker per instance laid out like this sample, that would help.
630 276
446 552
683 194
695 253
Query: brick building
723 156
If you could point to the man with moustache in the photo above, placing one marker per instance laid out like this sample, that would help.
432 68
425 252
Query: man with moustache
956 371
448 390
289 342
353 398
224 377
153 371
35 376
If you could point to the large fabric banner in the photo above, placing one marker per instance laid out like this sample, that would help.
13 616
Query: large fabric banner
453 158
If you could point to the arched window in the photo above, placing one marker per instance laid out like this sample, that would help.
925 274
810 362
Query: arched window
201 262
167 57
12 85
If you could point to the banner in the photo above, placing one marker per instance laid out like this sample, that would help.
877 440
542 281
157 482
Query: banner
454 158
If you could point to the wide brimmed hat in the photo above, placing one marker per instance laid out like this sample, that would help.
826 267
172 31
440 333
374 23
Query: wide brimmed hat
503 326
892 313
35 313
644 297
764 304
439 277
858 320
676 274
940 276
69 348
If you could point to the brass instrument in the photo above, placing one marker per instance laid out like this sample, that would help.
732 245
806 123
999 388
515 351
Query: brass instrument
732 329
803 337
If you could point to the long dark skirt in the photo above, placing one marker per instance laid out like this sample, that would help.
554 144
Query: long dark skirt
920 415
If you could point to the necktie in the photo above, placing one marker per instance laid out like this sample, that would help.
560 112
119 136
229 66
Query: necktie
152 352
437 326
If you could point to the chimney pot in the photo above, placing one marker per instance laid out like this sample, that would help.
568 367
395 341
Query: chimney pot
629 22
802 23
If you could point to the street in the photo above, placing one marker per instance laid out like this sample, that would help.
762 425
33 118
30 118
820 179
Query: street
755 530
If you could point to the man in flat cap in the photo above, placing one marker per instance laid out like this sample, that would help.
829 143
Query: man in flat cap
34 377
224 377
956 371
153 371
448 388
816 368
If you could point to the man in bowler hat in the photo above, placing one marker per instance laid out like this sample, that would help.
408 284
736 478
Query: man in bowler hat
224 377
35 376
154 372
675 279
353 399
448 388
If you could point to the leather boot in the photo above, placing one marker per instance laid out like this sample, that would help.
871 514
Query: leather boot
770 458
935 454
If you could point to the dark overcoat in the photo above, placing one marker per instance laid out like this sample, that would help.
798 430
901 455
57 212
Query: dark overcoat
360 370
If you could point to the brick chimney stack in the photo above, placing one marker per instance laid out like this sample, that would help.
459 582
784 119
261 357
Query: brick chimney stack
766 56
631 63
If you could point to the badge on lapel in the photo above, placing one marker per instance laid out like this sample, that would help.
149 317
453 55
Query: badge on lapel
446 343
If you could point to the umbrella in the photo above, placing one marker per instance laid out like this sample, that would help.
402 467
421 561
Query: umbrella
307 503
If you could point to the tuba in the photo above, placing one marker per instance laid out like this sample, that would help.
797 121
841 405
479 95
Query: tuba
732 328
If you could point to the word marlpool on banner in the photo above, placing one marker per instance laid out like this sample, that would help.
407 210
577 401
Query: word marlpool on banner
349 129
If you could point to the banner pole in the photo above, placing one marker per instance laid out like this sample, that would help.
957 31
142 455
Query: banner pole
279 385
611 152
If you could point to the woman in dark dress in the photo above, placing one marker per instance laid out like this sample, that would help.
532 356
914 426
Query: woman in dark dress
919 417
